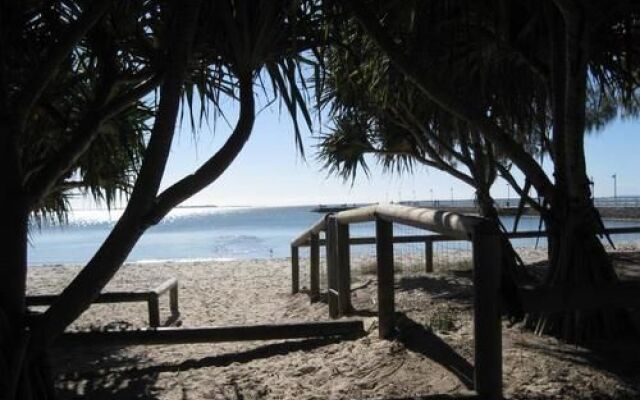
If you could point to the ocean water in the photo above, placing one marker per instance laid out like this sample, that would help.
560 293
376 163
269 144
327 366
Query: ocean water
207 233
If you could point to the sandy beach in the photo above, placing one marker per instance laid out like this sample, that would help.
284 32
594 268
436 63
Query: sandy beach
431 355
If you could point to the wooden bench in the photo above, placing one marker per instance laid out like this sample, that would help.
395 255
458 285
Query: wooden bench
151 297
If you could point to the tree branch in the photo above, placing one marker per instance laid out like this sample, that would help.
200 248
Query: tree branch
216 165
436 161
506 175
410 118
442 97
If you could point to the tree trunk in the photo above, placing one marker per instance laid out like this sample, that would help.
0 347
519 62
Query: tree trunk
13 271
512 271
18 378
576 255
86 287
13 242
24 369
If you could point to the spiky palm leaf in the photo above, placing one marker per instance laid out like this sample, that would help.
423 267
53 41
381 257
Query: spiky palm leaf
116 56
274 40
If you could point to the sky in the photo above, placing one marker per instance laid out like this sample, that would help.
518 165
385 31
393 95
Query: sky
270 171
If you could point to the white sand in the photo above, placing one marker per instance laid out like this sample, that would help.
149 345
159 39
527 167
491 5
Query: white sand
249 292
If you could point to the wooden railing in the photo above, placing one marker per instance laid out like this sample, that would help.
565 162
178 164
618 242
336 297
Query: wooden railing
486 255
449 226
214 334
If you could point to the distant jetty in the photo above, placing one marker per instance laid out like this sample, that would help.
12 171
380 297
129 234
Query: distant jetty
334 208
607 210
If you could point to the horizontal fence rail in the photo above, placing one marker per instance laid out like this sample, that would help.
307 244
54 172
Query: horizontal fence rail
214 334
429 240
369 240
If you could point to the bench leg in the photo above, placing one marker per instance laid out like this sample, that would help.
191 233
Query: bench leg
173 300
154 310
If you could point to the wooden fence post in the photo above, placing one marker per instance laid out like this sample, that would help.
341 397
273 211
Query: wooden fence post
314 260
428 255
154 310
332 278
487 315
386 301
343 269
295 270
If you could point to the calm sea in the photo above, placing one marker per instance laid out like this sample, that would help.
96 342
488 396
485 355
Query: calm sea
207 233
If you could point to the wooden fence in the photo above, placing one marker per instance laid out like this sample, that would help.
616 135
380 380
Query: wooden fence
206 334
486 253
213 334
151 297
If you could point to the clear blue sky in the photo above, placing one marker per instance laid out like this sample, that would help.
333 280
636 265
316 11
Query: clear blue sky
269 171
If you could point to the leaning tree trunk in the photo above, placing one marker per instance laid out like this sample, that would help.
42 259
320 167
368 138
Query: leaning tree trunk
26 373
87 285
513 272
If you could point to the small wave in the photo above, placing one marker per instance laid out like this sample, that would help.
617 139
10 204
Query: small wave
230 240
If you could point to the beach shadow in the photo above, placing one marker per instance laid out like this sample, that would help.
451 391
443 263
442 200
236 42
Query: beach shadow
119 378
620 357
447 287
416 338
627 265
223 360
102 377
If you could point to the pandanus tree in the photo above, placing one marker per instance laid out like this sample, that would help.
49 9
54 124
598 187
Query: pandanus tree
579 53
377 111
77 114
63 87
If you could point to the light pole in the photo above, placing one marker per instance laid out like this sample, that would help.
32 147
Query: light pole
508 195
432 201
615 186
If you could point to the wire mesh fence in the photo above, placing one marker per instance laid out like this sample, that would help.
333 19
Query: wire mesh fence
447 255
